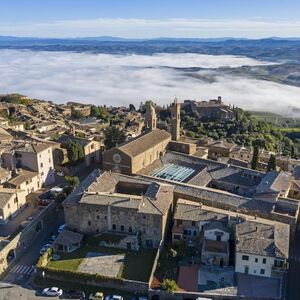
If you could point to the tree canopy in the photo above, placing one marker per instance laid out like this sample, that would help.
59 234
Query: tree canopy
75 151
113 136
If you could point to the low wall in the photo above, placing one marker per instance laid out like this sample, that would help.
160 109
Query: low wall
163 295
93 280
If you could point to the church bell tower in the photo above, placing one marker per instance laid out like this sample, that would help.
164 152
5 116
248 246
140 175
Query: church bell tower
175 120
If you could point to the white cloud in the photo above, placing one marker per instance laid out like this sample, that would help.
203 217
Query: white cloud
150 28
123 79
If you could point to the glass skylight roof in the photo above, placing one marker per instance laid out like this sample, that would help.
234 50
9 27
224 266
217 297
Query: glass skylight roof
173 172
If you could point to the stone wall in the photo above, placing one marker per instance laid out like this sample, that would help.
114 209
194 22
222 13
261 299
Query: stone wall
23 240
94 219
94 280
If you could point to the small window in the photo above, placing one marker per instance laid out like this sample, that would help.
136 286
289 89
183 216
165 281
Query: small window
114 227
264 261
144 217
256 259
262 271
130 229
98 217
122 228
179 222
193 223
89 223
245 257
176 236
105 217
8 205
42 165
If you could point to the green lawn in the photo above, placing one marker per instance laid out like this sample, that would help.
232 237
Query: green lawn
137 264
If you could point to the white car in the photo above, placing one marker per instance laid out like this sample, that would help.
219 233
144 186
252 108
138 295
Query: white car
53 292
113 297
96 296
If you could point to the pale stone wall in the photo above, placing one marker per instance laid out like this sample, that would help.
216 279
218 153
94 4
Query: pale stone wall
146 158
124 166
93 219
14 205
254 267
92 153
211 235
45 166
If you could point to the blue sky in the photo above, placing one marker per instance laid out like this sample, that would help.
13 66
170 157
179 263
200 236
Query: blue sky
150 18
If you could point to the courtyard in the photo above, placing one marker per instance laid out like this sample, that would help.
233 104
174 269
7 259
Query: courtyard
108 262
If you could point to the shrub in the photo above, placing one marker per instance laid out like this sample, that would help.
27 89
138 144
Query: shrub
169 285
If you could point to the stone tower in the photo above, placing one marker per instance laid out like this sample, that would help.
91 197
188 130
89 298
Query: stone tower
150 118
175 120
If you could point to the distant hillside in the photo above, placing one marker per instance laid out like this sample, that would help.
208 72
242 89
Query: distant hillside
272 49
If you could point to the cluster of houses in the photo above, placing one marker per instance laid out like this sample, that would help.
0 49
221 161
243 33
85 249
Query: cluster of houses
154 181
232 215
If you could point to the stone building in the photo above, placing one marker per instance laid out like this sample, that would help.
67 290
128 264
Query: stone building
11 202
150 118
261 249
175 120
36 157
215 246
91 148
133 156
213 109
116 203
25 180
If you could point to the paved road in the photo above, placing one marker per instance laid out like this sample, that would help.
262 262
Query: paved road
12 292
293 286
21 270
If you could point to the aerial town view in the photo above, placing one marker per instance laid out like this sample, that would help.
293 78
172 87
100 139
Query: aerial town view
149 150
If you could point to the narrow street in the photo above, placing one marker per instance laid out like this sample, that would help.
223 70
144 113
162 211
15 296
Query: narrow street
21 270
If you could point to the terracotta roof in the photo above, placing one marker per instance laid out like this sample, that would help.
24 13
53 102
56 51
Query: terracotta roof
215 246
23 176
145 142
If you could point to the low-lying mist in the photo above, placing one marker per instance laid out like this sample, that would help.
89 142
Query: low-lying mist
123 79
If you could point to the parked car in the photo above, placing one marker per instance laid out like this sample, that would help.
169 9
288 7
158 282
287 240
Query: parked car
96 296
45 248
53 292
73 294
44 202
139 298
113 297
61 228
